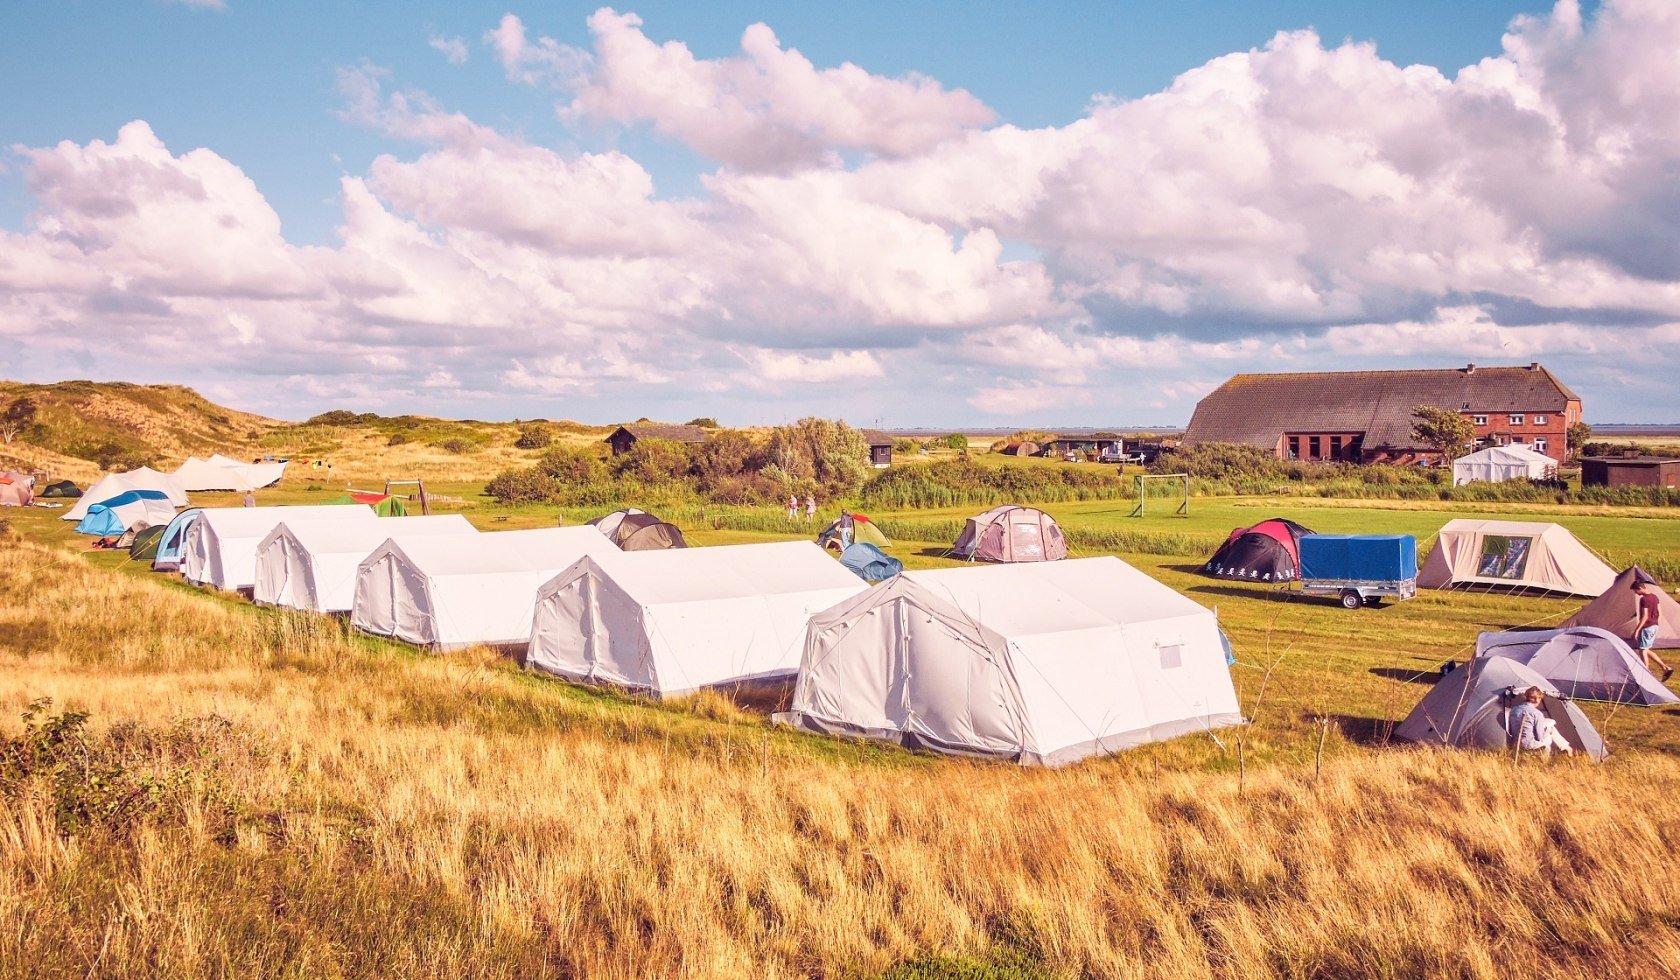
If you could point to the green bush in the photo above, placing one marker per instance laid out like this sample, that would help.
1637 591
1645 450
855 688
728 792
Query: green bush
457 445
522 486
337 416
573 465
397 439
536 437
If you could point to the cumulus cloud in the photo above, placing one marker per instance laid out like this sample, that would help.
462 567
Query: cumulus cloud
1284 207
769 108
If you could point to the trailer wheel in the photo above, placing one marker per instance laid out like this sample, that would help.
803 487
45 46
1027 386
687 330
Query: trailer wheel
1351 599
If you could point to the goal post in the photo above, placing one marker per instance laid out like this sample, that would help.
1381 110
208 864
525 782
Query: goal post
1147 484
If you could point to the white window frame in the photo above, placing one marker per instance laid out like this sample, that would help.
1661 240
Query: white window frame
1515 418
1539 420
1478 419
1540 444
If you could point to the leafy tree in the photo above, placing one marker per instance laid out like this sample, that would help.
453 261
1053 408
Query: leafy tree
1446 432
654 461
1577 437
827 453
525 486
337 416
956 441
536 437
725 455
705 422
16 417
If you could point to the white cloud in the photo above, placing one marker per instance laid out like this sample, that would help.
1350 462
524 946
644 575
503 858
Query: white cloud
544 61
453 49
783 367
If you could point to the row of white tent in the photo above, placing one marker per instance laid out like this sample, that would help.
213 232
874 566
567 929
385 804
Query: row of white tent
216 473
1041 663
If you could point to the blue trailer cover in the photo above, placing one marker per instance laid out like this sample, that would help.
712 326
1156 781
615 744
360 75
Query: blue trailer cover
1359 557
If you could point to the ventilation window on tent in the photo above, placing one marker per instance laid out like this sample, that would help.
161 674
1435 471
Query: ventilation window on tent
1172 656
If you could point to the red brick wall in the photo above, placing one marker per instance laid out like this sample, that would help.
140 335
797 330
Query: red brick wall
1555 430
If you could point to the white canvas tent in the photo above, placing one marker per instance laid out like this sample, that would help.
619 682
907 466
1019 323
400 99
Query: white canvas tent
1617 610
674 621
1519 554
311 564
453 591
1582 662
1496 464
259 475
220 548
1471 708
144 478
1036 663
199 474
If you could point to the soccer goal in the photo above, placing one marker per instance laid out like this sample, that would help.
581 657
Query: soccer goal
1167 489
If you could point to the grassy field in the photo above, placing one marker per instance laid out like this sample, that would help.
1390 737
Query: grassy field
276 796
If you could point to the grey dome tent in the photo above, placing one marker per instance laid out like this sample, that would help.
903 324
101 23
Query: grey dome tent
637 530
1582 662
63 488
869 562
608 523
1470 708
1011 533
1617 609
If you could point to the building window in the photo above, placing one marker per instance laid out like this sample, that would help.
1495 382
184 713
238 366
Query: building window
1516 419
1294 447
1314 447
1479 419
1539 420
1540 444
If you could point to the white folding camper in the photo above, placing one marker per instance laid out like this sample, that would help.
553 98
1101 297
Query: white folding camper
674 621
220 548
1040 664
311 564
452 591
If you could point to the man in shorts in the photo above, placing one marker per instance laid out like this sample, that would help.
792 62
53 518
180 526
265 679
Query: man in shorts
1645 627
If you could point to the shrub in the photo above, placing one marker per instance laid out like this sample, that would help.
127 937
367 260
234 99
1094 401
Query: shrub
536 437
828 454
705 422
955 441
397 439
523 486
653 461
337 416
457 445
573 465
906 446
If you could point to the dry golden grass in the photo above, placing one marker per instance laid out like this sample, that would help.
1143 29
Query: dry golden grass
360 810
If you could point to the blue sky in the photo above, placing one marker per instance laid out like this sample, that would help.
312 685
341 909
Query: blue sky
1005 214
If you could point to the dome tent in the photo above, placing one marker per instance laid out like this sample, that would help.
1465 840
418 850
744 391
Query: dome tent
1582 662
134 508
63 488
637 530
849 529
170 545
1496 464
112 484
1519 554
1471 708
869 562
15 493
1039 664
1617 609
1270 551
1011 533
144 546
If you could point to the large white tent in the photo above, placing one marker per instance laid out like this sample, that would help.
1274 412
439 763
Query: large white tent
675 621
1519 554
200 474
457 590
1496 464
112 484
1036 663
312 563
220 548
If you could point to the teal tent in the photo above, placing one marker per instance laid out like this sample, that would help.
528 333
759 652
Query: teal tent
869 562
168 558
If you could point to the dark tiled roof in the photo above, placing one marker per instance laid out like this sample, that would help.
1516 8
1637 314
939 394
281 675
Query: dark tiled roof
676 433
876 437
1259 408
1632 460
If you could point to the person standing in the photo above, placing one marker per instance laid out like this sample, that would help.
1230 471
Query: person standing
1647 625
250 498
810 506
793 506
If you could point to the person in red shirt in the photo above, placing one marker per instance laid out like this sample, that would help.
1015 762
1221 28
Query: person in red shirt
1646 625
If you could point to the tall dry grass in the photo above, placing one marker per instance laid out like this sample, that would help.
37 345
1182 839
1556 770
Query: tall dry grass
330 806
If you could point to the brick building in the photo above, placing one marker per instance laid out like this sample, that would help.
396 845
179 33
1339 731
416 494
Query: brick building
1366 416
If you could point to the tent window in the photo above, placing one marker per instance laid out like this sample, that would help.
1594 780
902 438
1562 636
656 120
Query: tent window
1504 557
1172 656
